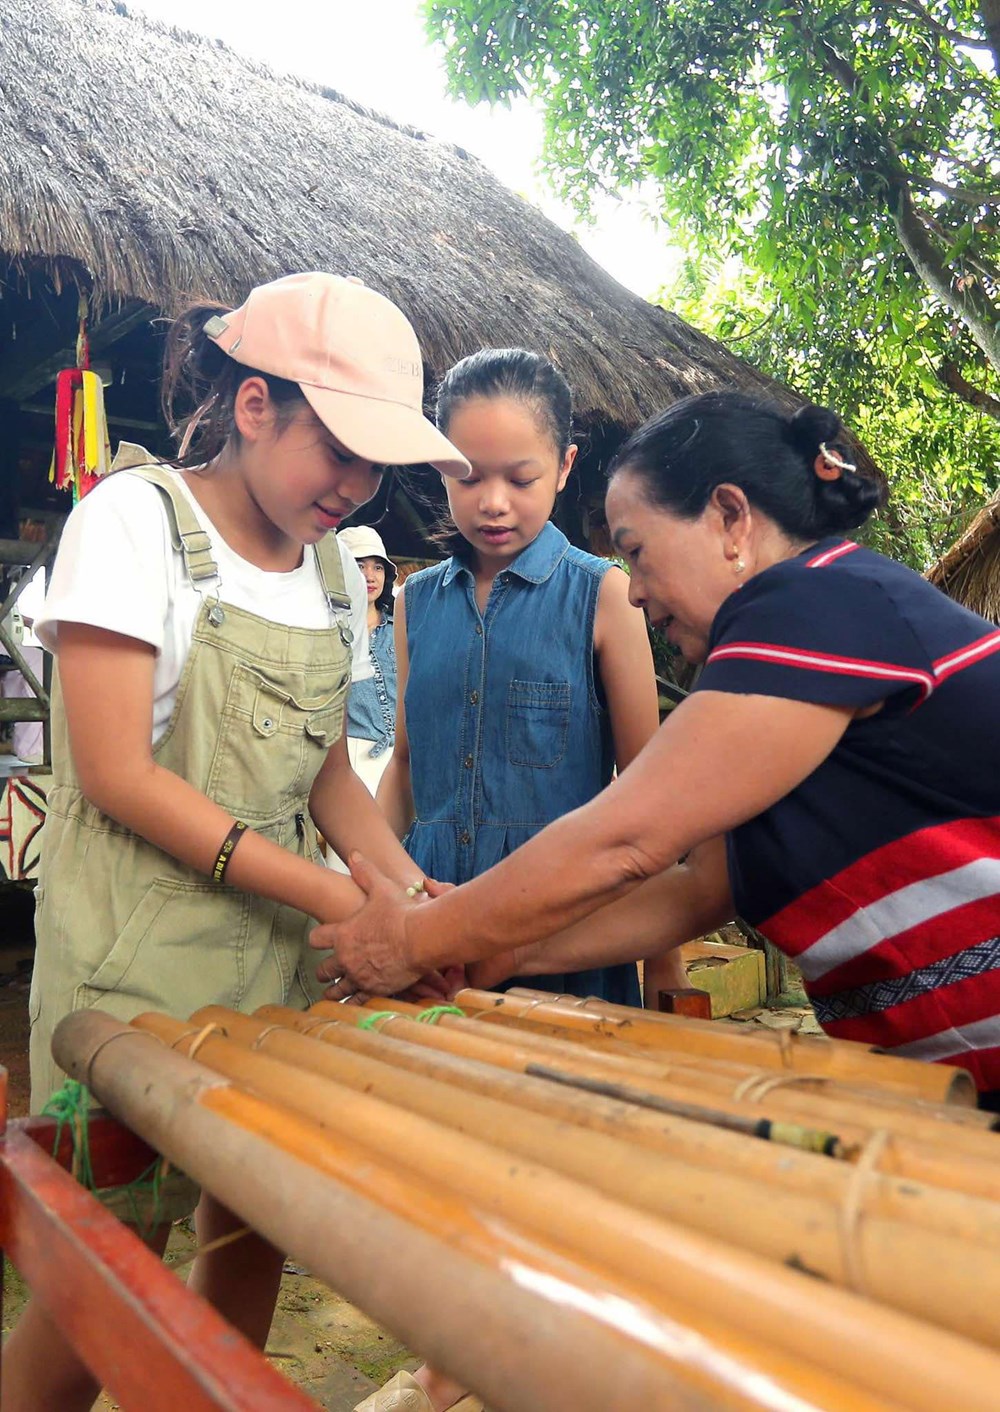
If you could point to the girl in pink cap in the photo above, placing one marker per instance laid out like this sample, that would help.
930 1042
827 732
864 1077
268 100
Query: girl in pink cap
205 622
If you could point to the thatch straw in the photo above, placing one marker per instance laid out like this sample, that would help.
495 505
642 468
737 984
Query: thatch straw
970 571
161 165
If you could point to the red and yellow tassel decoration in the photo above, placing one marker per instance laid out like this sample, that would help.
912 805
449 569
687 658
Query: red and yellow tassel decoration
82 449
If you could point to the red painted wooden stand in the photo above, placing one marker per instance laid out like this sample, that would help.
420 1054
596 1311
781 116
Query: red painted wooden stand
154 1344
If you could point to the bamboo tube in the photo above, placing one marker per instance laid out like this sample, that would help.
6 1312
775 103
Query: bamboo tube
947 1110
897 1243
777 1049
853 1118
767 1305
721 1075
491 1310
438 1053
256 1155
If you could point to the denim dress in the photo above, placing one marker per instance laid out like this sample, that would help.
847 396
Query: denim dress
506 729
371 706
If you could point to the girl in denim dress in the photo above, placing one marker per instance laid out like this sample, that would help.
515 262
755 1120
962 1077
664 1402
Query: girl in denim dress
525 676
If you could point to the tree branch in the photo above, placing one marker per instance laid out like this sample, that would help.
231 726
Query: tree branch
968 41
963 194
970 258
989 10
950 377
970 302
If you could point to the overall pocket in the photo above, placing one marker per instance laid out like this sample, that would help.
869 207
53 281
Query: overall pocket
537 722
272 741
178 950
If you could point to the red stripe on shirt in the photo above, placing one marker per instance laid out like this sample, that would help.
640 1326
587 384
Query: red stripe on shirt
824 662
946 1007
967 656
829 555
913 858
932 940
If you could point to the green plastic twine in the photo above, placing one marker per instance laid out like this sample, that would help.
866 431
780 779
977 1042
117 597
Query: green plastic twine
431 1016
372 1019
70 1107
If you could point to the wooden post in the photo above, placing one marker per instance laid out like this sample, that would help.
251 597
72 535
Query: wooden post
692 1002
10 437
3 1134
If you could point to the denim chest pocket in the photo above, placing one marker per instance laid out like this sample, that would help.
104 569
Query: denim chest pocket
537 722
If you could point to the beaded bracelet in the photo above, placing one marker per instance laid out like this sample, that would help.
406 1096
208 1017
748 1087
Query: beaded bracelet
229 843
416 888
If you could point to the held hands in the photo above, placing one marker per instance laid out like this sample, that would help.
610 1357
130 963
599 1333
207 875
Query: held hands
369 950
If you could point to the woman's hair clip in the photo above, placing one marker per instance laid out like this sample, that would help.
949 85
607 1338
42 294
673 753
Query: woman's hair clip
830 466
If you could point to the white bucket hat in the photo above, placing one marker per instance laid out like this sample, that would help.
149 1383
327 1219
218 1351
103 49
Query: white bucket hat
366 543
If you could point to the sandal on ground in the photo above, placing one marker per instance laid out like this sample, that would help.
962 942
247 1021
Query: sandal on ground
404 1394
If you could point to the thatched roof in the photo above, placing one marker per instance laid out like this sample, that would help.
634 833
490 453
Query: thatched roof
167 166
970 570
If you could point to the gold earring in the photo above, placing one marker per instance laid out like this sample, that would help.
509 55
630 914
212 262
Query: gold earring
739 566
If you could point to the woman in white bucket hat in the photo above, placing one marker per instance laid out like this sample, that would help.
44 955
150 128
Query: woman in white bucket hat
371 710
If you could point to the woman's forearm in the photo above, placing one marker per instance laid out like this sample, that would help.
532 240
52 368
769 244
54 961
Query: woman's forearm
717 761
686 901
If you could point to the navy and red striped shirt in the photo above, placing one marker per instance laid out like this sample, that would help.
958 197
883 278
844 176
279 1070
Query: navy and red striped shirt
880 873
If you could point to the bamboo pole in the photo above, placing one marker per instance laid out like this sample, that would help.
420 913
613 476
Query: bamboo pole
490 1309
884 1237
945 1110
776 1314
438 1053
776 1049
855 1117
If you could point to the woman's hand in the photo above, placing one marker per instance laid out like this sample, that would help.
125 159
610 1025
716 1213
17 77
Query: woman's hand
368 952
485 975
436 988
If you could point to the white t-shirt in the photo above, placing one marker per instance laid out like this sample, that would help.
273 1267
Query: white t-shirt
117 569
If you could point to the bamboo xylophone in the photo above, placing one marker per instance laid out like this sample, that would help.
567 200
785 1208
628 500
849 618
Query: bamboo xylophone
565 1205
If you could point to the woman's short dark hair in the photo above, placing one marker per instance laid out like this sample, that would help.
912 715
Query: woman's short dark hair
385 602
516 373
718 438
197 374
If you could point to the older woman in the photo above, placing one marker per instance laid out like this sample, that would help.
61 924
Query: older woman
834 778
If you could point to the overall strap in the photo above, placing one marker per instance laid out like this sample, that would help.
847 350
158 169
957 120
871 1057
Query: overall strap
331 573
186 534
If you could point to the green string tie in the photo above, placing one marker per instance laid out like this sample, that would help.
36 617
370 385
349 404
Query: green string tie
371 1020
70 1107
431 1016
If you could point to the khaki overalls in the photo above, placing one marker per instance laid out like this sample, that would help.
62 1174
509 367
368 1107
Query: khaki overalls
124 927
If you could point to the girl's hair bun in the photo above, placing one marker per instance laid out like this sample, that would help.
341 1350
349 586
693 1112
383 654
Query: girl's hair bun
811 425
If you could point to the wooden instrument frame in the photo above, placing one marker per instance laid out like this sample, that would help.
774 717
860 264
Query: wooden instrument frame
153 1343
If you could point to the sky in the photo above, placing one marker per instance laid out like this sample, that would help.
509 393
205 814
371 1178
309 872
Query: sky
376 53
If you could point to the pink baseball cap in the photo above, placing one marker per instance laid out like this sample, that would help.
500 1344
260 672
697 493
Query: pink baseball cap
354 355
